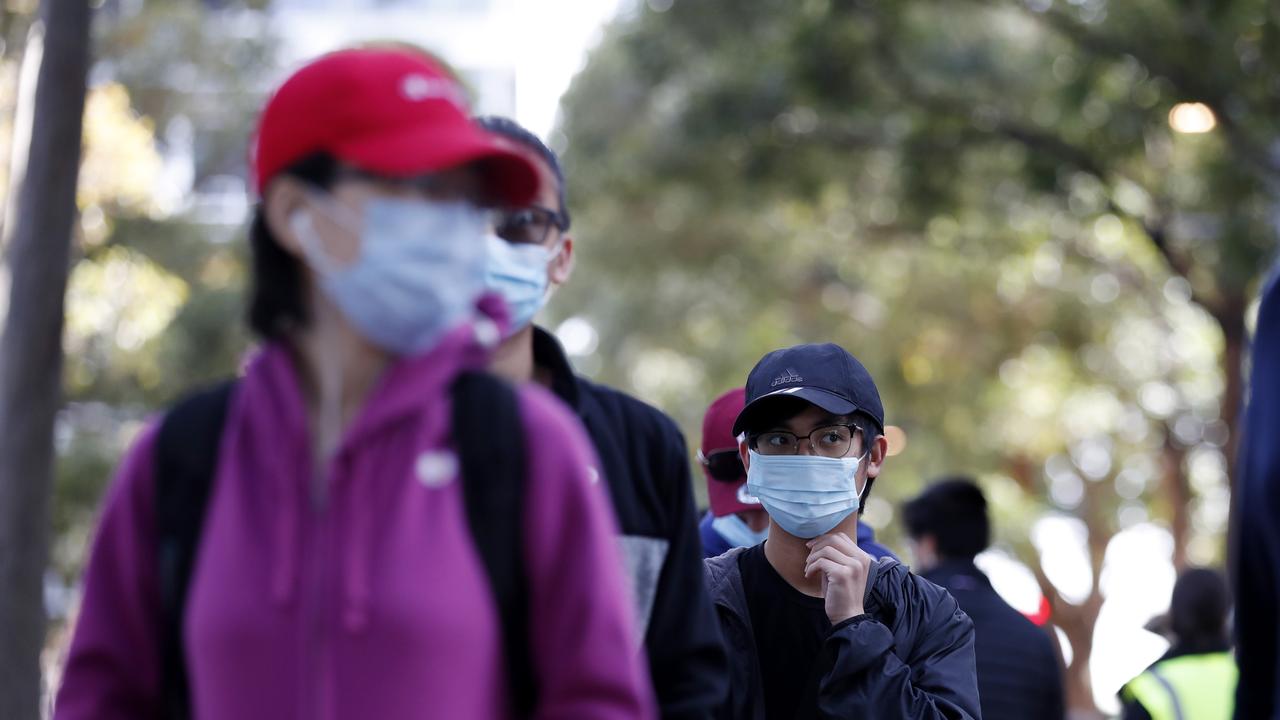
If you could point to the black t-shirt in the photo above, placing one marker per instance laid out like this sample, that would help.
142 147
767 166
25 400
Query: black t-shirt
790 628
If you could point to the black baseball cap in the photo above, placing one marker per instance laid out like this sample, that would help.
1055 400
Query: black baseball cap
825 375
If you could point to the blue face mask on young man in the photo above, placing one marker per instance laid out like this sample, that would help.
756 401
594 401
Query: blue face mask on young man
807 495
419 271
737 532
518 272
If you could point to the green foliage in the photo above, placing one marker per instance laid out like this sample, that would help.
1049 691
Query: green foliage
984 201
156 302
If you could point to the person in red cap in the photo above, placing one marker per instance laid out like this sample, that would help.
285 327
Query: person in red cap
314 540
736 517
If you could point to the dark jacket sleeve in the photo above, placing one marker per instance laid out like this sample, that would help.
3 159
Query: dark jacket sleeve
686 656
938 679
1257 498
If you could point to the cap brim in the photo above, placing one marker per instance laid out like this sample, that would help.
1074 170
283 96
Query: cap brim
824 399
511 177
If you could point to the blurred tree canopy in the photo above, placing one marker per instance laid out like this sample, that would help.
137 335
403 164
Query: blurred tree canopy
985 201
155 297
982 199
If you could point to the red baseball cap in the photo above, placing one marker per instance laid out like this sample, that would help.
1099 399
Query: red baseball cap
390 111
726 496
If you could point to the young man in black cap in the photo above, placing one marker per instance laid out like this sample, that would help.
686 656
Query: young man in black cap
1018 673
642 454
815 627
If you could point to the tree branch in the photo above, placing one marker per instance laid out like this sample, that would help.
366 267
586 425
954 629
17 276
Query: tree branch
1210 92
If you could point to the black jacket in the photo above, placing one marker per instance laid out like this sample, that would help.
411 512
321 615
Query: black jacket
646 466
909 656
1018 672
1256 569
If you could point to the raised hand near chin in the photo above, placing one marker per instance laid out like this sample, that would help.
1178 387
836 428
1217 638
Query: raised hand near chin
845 568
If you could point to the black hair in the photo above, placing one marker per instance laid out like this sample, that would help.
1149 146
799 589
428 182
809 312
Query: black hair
277 304
1199 607
512 130
954 511
783 408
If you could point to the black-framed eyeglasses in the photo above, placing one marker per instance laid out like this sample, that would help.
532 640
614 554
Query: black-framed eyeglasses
529 225
723 465
833 441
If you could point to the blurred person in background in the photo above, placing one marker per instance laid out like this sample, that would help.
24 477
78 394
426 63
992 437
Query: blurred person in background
343 569
643 456
1019 675
735 518
815 626
1196 678
1256 547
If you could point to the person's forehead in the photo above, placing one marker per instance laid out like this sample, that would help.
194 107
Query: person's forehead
549 189
808 418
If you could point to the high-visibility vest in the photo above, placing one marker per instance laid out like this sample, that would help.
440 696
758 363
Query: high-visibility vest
1190 687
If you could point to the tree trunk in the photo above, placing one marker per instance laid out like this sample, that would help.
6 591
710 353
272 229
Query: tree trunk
31 349
1078 623
1234 347
1177 491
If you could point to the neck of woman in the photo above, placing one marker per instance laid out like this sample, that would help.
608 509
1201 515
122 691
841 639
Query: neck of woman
339 370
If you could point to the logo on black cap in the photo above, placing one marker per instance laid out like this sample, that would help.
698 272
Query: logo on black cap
790 377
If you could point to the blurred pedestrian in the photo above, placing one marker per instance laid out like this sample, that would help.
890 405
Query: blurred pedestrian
644 461
815 626
1256 572
313 540
735 518
1019 675
1197 677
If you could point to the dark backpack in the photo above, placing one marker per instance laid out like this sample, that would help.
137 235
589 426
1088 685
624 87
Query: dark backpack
493 490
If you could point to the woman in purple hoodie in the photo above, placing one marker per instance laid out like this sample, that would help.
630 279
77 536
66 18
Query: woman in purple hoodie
336 574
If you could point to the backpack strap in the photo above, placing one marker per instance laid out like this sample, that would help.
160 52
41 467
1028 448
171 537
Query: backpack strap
186 458
489 439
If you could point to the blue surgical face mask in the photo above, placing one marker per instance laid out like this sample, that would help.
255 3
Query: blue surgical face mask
419 271
518 272
807 495
737 532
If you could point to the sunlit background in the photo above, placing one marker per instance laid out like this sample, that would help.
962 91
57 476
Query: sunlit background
1038 251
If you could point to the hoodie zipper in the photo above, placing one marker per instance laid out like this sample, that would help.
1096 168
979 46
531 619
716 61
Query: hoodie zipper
316 599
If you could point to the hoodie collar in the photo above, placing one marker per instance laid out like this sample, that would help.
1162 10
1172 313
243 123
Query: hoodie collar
407 388
549 355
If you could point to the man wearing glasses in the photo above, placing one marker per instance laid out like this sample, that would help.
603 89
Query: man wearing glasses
735 518
642 454
815 627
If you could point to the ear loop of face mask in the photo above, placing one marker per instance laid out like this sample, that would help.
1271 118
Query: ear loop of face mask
329 421
865 492
554 256
304 227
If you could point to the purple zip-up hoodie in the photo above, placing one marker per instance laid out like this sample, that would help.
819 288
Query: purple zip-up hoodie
371 602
